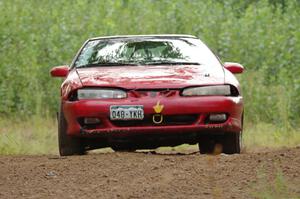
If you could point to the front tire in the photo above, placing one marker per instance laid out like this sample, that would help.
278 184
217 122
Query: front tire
229 143
206 144
232 143
67 145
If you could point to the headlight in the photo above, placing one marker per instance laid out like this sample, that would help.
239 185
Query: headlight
100 94
207 90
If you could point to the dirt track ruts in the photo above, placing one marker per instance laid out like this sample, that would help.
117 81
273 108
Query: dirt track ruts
148 175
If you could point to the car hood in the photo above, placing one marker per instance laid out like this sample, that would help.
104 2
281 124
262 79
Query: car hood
145 77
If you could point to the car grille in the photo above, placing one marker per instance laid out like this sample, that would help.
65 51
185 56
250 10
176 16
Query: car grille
154 93
167 121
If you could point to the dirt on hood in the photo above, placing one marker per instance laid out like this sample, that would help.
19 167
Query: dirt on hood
152 175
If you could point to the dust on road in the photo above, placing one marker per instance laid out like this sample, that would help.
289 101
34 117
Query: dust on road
148 175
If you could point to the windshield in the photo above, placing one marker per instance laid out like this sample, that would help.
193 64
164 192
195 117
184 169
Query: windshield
145 51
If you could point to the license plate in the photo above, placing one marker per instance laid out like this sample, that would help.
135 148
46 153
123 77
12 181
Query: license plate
127 112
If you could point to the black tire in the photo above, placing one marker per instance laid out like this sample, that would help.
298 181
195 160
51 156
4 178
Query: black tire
232 143
67 145
206 144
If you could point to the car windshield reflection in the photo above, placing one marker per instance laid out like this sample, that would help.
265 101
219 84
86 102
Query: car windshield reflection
144 51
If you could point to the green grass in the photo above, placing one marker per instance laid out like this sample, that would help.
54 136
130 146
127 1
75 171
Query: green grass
273 187
38 135
35 135
264 135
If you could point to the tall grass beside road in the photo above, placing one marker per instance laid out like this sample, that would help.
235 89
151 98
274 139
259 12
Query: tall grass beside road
34 135
258 137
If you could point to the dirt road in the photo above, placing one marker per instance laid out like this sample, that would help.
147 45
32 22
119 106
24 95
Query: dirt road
149 175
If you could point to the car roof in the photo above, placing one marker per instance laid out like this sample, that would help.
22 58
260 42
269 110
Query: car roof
144 36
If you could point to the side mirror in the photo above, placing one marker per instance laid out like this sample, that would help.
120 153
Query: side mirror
59 71
235 68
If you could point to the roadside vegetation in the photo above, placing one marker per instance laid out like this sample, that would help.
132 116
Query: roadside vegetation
35 35
273 186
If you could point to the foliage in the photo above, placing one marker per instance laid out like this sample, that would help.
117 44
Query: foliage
262 35
276 188
34 135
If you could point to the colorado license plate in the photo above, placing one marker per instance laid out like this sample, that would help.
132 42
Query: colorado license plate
127 112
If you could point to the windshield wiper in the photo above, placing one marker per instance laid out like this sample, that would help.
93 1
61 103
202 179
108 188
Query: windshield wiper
107 64
171 63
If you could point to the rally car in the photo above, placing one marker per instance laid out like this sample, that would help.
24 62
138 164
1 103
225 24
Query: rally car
147 91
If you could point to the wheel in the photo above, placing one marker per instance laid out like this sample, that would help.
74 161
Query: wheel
67 145
232 143
206 144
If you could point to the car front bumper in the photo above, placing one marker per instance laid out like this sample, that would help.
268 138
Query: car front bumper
198 107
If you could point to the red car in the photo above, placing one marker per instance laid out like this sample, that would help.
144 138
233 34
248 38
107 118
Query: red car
147 91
